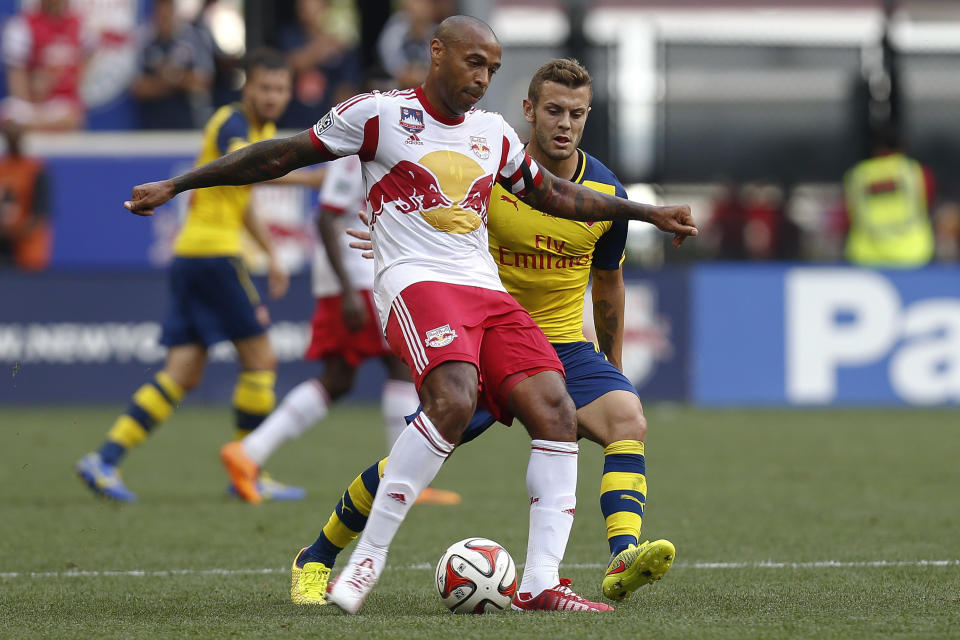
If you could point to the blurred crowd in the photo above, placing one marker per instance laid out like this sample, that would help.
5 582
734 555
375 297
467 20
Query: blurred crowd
177 66
180 71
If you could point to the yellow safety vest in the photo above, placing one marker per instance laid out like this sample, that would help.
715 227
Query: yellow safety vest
889 218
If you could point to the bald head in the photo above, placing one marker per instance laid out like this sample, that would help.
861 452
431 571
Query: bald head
460 29
464 55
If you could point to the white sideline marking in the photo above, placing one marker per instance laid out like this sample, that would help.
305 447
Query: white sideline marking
824 564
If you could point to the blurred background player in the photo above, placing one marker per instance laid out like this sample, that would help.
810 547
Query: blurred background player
888 199
25 235
545 263
212 296
345 333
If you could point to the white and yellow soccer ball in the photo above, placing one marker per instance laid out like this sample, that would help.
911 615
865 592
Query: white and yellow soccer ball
476 575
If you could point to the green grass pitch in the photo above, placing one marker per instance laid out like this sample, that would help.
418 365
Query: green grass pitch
755 501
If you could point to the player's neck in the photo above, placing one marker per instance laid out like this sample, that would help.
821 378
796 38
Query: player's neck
434 97
561 168
251 116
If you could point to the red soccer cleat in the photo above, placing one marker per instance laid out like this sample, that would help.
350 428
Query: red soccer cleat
559 598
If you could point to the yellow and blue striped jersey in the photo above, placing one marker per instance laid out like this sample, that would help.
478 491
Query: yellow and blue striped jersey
545 262
214 223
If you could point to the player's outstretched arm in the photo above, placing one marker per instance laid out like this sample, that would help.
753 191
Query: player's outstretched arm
565 199
255 163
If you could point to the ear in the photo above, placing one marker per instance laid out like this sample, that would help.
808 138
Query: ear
437 49
528 110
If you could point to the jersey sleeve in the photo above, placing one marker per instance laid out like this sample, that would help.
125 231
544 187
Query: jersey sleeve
519 173
233 133
350 128
608 252
342 191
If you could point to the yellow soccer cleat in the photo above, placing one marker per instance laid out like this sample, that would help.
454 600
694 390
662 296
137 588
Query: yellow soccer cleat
308 585
636 566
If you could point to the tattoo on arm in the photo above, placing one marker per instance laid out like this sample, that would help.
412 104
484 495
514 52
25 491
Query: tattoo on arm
255 163
608 313
606 321
565 199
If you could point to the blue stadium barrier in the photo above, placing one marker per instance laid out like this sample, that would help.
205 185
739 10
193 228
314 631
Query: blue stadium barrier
816 336
91 337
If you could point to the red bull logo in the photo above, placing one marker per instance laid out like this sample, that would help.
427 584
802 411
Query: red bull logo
478 145
410 187
451 191
440 337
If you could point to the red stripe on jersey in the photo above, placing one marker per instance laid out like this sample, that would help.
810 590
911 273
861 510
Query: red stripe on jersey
371 138
325 154
503 154
335 210
346 104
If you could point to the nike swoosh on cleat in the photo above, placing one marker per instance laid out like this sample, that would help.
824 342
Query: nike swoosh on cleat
618 569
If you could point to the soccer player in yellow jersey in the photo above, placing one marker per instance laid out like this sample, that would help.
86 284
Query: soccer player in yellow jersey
211 295
546 263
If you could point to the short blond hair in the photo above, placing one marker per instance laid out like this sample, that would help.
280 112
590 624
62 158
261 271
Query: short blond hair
566 71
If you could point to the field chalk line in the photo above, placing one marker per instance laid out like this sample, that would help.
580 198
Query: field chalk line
423 566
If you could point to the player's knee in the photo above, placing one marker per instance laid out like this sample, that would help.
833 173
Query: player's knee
338 381
556 418
450 414
188 379
627 424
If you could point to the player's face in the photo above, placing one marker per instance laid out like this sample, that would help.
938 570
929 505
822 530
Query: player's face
558 118
267 92
466 68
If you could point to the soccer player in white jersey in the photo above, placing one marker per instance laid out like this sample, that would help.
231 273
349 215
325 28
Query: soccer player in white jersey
429 161
345 333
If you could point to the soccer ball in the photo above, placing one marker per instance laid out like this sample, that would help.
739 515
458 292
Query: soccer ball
476 575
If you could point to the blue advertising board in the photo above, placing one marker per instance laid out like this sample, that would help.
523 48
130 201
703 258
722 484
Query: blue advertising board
91 337
775 335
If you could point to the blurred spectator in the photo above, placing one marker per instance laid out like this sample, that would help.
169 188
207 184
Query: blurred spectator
44 52
726 224
404 43
947 231
888 200
321 48
175 64
24 204
227 67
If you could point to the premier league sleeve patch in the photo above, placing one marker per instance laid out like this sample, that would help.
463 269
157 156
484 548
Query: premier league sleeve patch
411 119
325 123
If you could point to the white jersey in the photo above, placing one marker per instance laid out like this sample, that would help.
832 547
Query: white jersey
428 180
342 195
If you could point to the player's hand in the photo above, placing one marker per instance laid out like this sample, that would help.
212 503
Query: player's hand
278 280
675 219
362 236
354 311
149 196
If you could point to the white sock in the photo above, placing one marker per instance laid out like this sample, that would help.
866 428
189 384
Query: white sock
552 485
399 400
415 459
304 406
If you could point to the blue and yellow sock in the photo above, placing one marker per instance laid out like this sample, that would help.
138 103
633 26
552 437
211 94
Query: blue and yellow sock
623 492
151 404
253 400
348 519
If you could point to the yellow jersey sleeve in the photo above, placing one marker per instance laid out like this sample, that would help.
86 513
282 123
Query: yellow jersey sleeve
214 222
